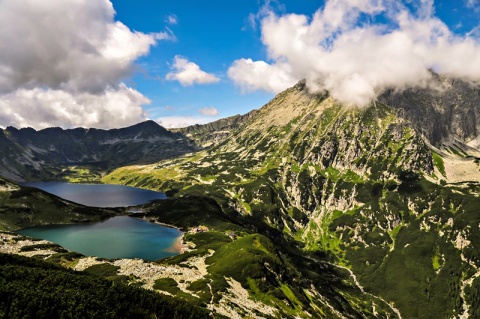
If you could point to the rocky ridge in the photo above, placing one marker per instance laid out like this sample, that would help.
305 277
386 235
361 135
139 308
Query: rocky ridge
28 154
445 112
215 132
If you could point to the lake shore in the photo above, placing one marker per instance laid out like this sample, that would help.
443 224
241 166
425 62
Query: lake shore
168 225
178 246
117 237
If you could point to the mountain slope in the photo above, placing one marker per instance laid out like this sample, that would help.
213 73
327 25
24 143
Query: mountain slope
30 155
365 188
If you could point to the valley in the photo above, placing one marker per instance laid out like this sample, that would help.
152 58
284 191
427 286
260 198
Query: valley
240 159
303 208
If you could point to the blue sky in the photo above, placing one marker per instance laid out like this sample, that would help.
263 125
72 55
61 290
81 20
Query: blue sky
113 63
213 34
209 33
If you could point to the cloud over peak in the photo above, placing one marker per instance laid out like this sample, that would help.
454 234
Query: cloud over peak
259 75
68 55
341 50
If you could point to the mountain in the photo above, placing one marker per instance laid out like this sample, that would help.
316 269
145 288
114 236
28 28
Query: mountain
446 111
215 132
303 208
28 154
387 194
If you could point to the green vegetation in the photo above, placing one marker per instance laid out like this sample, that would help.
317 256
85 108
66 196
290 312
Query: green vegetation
438 162
473 293
31 288
204 243
80 174
168 285
189 211
436 262
68 260
107 271
457 152
427 285
53 247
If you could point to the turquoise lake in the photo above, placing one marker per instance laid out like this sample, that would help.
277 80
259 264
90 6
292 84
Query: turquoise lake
99 195
117 237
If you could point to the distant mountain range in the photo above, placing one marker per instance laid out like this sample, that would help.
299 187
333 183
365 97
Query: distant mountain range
215 132
27 154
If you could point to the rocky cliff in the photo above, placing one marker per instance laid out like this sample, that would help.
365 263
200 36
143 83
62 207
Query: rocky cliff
446 110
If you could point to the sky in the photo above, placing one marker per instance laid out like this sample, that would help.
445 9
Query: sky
114 63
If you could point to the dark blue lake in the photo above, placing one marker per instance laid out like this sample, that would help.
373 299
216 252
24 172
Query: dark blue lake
117 237
99 195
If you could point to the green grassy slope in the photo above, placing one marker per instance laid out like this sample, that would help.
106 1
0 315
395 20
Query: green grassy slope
272 269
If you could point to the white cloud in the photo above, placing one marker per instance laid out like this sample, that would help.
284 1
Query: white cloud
182 121
171 19
259 75
251 22
41 108
207 114
67 53
208 111
472 3
189 73
340 50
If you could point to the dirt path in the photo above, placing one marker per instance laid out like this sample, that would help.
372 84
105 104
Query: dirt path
465 283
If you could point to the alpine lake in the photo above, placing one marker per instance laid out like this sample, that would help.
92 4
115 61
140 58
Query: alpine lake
116 237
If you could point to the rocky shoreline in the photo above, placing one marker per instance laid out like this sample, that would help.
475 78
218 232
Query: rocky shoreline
11 243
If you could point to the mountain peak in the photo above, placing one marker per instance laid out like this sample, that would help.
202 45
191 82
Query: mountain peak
148 123
146 129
